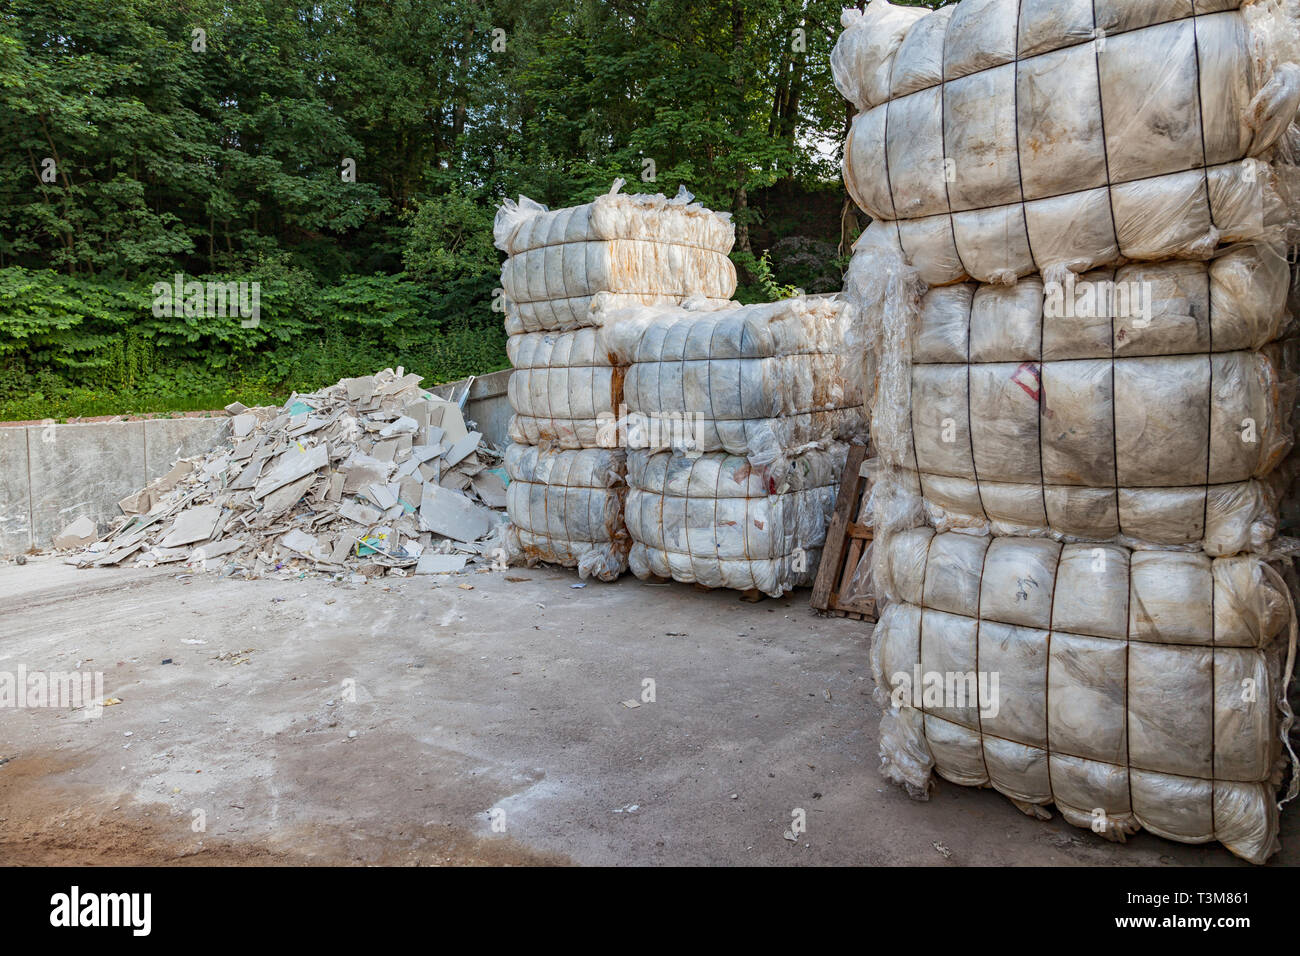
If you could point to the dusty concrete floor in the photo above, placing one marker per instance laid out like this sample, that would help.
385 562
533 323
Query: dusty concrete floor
504 697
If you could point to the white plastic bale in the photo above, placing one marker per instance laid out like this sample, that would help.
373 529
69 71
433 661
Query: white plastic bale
1127 406
564 389
655 218
760 381
566 507
566 314
647 249
1048 150
719 521
1130 689
566 275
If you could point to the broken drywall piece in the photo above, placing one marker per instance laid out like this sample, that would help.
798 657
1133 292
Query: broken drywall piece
381 496
360 513
452 515
409 492
299 541
245 449
216 549
213 469
160 555
447 416
78 534
406 469
294 463
362 470
136 504
118 555
422 453
471 466
242 425
459 451
400 384
170 480
252 471
194 525
343 548
433 563
360 389
282 499
490 488
307 425
403 426
455 480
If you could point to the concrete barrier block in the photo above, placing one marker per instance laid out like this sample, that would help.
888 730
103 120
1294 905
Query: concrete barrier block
82 470
15 492
168 439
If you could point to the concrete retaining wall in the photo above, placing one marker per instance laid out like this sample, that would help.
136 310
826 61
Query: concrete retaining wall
52 474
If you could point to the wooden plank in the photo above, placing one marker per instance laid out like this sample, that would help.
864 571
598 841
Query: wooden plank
851 557
862 532
860 537
846 504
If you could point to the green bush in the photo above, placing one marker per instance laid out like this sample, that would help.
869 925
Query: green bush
80 346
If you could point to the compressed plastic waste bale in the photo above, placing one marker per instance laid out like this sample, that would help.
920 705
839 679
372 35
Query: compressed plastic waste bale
760 381
1130 689
1128 405
720 521
566 507
1143 405
997 138
564 389
643 249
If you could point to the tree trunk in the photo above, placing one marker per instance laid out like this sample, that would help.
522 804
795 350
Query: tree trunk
740 201
739 214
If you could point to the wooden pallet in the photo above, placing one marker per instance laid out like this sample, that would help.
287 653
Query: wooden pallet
846 539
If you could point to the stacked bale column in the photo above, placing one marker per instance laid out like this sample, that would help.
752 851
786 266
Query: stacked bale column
736 424
1031 166
567 472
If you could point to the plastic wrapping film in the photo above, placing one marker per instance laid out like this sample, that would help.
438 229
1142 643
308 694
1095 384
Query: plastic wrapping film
998 138
1130 689
645 249
566 507
887 293
566 314
720 521
564 389
1129 406
761 381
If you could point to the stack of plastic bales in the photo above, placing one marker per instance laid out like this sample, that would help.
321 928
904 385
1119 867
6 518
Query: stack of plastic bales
567 473
734 424
1073 287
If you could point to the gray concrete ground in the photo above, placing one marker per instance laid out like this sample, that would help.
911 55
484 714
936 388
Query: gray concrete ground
504 697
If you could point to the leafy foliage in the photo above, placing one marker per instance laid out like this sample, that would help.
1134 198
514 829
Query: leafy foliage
348 155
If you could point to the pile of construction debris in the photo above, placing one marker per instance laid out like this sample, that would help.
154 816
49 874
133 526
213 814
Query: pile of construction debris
368 477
